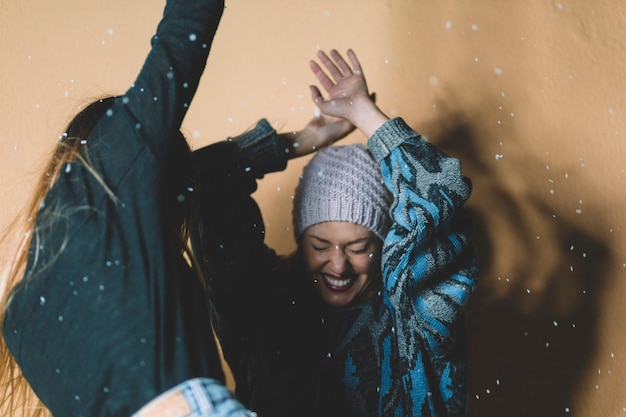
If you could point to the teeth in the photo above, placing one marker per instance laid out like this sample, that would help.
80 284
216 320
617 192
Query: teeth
337 282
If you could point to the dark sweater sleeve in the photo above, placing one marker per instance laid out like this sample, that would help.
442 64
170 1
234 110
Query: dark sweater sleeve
109 314
429 267
229 239
151 111
171 73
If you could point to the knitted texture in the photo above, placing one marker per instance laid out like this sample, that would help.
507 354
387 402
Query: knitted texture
342 183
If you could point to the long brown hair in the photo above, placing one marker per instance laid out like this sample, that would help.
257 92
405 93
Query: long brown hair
16 396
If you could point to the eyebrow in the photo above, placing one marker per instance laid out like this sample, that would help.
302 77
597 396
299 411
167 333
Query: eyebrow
352 242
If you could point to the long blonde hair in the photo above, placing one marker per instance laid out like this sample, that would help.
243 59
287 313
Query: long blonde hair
16 396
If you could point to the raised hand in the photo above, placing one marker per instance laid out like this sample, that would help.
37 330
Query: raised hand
322 130
348 95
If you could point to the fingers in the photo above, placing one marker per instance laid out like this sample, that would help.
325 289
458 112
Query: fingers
323 106
356 65
316 95
326 82
336 66
343 65
330 65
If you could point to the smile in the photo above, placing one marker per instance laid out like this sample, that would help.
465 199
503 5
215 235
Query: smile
336 284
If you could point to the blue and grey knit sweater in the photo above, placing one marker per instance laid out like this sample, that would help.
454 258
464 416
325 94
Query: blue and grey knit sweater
402 352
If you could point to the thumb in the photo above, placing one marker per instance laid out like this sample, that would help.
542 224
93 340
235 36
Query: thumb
316 95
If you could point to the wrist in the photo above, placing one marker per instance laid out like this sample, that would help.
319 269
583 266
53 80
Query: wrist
368 118
290 143
296 143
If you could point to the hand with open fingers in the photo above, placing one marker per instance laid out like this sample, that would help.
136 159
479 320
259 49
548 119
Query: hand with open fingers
321 131
327 129
348 95
344 83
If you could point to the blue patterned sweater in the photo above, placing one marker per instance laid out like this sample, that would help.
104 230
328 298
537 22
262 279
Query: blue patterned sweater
402 352
429 271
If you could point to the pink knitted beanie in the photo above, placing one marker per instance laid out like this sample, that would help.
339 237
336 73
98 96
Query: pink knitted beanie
342 183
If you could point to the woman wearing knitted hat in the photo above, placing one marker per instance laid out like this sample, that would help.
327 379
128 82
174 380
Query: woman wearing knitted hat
366 317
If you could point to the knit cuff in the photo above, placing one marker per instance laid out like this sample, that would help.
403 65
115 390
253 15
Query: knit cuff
389 136
261 150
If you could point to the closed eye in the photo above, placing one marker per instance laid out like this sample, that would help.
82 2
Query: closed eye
359 250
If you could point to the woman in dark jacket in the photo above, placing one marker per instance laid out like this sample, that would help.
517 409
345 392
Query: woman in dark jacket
103 314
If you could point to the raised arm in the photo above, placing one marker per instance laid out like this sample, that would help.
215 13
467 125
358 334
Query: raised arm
348 96
171 73
149 115
428 258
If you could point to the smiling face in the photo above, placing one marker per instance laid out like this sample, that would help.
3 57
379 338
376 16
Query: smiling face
342 260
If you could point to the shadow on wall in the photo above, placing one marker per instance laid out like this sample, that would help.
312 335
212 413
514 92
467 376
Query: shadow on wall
532 320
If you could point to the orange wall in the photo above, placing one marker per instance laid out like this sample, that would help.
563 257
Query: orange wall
528 94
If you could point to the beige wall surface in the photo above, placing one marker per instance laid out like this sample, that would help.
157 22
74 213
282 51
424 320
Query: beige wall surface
529 94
